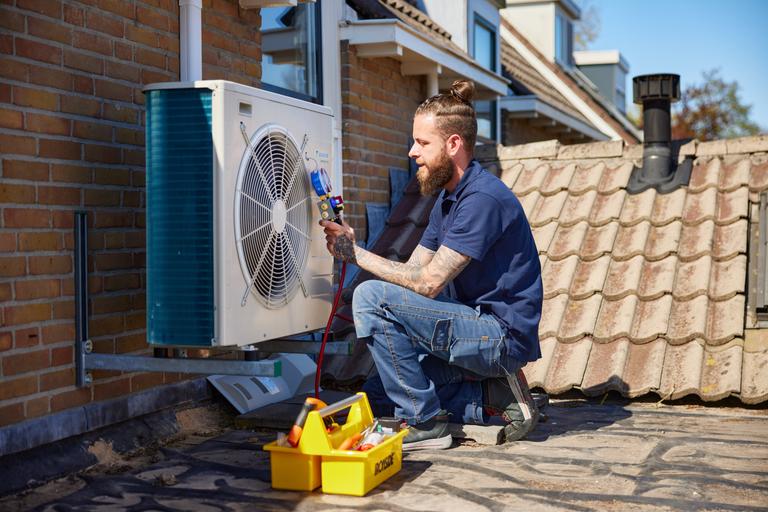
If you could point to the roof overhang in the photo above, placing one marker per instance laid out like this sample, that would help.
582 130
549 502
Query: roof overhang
531 107
420 55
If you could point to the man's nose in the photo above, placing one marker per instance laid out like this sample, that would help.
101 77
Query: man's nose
413 153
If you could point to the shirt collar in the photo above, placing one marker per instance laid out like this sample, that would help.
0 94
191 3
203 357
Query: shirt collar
471 171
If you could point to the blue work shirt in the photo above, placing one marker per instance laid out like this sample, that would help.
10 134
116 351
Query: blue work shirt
483 219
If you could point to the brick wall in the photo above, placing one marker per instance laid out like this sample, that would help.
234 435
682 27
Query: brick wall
378 106
72 137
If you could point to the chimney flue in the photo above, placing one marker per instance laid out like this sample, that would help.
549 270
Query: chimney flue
656 93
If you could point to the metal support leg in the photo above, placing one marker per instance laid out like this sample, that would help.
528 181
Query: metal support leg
81 298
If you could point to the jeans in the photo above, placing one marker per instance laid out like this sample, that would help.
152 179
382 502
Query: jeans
431 354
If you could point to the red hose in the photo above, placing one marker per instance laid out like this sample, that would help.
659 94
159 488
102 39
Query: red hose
319 369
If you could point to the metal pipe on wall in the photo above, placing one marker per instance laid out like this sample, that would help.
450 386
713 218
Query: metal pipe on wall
190 35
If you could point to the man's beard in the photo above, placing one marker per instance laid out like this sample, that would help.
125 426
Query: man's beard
435 176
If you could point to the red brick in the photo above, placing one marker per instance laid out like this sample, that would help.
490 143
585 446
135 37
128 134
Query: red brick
63 220
37 51
122 71
105 24
44 265
16 145
7 242
144 381
128 136
71 173
115 388
6 44
25 170
57 379
58 195
6 294
49 30
69 399
50 8
120 113
113 91
5 93
11 119
103 154
105 325
92 42
26 290
100 197
150 58
131 343
114 240
10 193
119 7
112 261
132 199
78 60
6 341
26 362
25 338
74 15
104 176
62 355
51 77
37 407
63 309
28 313
84 85
136 320
11 414
18 387
35 98
82 106
153 18
135 157
113 220
47 124
12 266
58 332
13 21
111 304
150 77
14 70
123 51
170 44
140 35
63 149
39 241
26 218
92 131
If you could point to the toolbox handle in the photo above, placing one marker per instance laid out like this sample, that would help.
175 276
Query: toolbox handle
338 406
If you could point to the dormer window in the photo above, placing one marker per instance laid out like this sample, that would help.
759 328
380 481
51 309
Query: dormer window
563 40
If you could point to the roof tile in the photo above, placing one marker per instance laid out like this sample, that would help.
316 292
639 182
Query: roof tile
700 206
704 174
668 207
681 374
721 372
687 320
696 240
735 175
577 208
642 372
754 385
579 318
727 277
536 371
551 315
567 241
557 275
528 202
758 177
557 179
615 178
548 208
657 278
530 179
543 236
732 205
598 241
692 278
651 319
730 240
605 367
631 240
663 240
607 208
623 278
566 369
509 173
615 318
586 178
725 320
589 277
637 207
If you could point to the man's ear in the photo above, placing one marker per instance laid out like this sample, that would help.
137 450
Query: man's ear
453 144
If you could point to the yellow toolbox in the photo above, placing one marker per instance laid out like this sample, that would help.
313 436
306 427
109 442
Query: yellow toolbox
317 461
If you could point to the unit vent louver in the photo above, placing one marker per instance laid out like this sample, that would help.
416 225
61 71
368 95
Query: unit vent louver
273 216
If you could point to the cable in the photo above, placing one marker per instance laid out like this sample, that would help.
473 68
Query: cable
319 369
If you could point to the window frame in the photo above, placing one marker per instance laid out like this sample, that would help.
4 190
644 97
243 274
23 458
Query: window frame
319 99
487 25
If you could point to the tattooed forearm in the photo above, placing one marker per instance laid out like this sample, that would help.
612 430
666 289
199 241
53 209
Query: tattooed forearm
344 249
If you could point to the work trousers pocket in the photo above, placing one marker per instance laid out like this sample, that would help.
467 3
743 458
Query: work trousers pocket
441 337
478 355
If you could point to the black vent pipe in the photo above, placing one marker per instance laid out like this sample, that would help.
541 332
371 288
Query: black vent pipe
659 170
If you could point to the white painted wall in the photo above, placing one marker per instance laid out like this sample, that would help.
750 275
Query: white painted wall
536 22
452 16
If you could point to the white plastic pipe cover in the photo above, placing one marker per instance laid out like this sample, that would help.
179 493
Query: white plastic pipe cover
191 35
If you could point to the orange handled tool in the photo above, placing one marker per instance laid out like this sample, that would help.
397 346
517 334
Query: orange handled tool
298 426
349 442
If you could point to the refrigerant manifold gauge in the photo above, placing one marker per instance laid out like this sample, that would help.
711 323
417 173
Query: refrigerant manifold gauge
330 206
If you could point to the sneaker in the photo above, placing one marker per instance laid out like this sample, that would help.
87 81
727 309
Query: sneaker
510 398
432 434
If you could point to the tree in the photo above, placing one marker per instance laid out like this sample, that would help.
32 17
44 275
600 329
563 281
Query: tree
587 28
712 110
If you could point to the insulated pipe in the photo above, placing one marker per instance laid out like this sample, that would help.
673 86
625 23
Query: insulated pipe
190 23
432 88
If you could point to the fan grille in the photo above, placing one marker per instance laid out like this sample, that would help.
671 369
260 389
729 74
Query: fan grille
273 216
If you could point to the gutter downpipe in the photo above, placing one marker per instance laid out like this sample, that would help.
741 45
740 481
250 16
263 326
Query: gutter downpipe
190 34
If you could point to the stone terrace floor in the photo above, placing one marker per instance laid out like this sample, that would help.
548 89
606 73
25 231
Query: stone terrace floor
587 456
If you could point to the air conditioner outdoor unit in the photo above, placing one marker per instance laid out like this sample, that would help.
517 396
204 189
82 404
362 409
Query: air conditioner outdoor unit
235 254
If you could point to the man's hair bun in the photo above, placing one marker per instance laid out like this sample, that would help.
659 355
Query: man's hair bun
463 90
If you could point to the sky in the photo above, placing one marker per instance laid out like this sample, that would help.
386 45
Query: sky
687 37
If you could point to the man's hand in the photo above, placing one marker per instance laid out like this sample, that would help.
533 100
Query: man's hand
340 240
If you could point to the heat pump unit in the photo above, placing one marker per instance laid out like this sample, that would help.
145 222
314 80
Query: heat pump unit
235 254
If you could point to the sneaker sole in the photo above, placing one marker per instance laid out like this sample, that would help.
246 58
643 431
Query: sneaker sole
515 434
439 443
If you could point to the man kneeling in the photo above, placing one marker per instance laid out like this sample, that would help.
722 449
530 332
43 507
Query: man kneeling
450 329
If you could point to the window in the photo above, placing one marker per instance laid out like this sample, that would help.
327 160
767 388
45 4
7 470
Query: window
291 51
484 52
563 40
621 99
